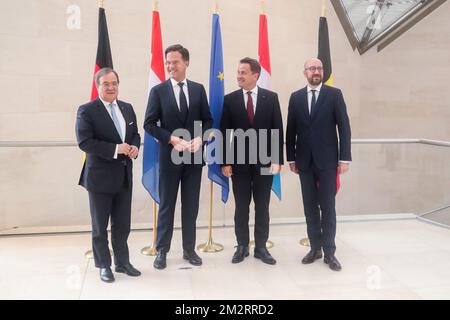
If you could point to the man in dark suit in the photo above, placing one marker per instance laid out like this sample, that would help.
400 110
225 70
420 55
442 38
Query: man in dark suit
177 104
251 110
107 132
314 152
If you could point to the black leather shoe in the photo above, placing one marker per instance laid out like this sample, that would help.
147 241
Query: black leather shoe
333 263
160 261
240 254
129 270
106 275
264 255
312 256
192 257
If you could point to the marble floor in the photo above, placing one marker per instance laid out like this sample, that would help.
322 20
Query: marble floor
396 259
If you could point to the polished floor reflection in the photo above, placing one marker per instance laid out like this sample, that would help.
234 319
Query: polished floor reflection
392 259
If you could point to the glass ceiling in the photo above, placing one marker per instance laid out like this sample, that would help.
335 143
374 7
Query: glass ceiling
368 22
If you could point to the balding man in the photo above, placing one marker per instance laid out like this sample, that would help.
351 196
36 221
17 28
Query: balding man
107 132
314 153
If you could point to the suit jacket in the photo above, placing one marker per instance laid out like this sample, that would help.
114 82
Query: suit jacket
163 117
314 137
98 137
267 116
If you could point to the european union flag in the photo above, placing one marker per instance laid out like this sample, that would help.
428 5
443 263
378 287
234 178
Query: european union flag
216 93
150 166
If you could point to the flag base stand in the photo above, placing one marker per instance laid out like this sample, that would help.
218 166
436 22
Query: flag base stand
90 255
149 251
269 244
305 242
210 246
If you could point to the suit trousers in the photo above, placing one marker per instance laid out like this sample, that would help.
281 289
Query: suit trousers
245 185
118 207
189 176
319 193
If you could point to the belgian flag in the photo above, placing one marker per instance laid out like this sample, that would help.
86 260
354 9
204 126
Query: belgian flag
325 56
324 51
104 57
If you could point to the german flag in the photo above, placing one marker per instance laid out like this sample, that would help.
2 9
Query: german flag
104 58
324 51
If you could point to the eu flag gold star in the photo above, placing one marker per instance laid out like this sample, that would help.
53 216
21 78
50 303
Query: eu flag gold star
220 76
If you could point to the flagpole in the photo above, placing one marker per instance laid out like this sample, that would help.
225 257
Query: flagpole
151 250
210 245
324 8
90 254
269 243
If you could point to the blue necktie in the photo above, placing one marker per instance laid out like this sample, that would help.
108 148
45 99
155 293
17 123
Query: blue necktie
115 120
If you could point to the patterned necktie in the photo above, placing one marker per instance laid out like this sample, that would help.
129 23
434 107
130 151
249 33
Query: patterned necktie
183 103
250 109
115 120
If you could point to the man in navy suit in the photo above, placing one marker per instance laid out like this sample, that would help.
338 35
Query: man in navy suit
315 153
107 132
177 115
252 109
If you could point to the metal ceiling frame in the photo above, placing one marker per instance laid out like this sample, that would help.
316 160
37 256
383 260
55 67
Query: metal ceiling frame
391 33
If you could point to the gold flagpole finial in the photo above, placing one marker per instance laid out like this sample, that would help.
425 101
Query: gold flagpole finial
155 5
100 3
324 8
261 6
216 7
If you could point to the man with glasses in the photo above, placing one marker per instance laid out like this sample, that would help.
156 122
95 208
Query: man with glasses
314 152
106 130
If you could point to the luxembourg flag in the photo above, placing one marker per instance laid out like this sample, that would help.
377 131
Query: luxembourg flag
265 79
150 175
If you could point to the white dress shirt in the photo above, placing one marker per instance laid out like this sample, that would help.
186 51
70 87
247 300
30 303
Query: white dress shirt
309 89
254 97
176 90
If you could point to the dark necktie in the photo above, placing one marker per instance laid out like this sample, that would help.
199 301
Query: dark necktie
250 109
313 101
183 103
